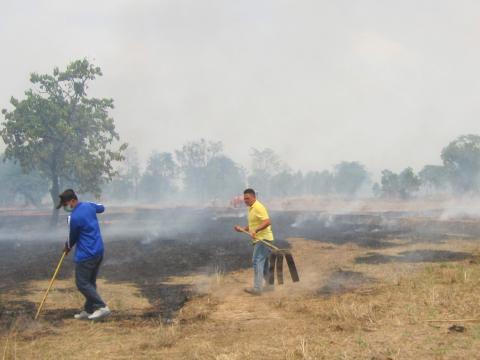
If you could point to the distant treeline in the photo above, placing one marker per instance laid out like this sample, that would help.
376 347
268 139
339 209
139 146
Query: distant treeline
200 171
459 174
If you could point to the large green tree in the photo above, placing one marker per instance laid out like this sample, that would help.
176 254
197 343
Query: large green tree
61 132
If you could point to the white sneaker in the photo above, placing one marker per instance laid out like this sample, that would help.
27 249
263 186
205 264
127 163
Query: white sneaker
82 316
100 313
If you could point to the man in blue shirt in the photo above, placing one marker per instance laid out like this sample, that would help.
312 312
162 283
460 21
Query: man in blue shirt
85 234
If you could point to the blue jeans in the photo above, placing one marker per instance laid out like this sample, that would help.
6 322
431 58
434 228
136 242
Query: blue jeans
260 262
86 279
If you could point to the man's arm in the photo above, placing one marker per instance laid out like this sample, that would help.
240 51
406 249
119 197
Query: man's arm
265 223
99 208
73 236
238 228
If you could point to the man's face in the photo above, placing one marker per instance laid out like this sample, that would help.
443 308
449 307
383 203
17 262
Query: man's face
249 199
69 205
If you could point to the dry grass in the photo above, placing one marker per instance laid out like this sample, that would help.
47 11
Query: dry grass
385 319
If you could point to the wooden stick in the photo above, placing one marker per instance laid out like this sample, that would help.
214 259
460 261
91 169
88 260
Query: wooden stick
50 285
263 241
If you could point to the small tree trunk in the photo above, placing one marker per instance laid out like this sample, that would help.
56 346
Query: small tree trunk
54 192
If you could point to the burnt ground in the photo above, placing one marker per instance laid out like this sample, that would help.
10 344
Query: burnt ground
342 281
146 247
414 257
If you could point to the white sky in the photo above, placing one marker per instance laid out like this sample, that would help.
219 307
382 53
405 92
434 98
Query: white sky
386 83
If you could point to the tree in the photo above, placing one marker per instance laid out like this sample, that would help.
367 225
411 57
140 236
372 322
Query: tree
287 183
349 177
376 190
30 188
282 184
402 185
124 184
61 132
265 165
461 159
409 183
298 186
223 178
318 183
158 181
390 184
193 159
434 177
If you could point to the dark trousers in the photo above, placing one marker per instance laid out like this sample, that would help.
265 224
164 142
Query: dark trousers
86 280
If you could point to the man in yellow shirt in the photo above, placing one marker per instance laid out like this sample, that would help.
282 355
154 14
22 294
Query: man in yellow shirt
259 227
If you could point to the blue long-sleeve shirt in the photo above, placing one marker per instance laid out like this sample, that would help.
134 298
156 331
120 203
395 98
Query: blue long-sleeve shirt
85 231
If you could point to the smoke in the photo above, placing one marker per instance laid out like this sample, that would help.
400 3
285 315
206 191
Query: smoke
302 219
461 207
353 82
156 243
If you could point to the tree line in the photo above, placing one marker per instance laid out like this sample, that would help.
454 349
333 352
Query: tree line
201 171
459 173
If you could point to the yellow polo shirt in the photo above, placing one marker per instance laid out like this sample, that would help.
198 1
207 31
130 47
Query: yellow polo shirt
257 213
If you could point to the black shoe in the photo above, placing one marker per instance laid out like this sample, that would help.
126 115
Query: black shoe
253 292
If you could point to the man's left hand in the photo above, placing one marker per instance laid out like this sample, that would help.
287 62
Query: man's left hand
66 249
253 234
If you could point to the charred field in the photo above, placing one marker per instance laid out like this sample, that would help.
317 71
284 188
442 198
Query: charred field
145 247
338 255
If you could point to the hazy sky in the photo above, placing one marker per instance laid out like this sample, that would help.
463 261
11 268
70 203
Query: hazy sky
387 83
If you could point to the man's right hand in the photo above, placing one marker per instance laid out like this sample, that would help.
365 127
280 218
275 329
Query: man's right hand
238 228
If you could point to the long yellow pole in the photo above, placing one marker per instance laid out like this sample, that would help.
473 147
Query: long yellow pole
50 285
